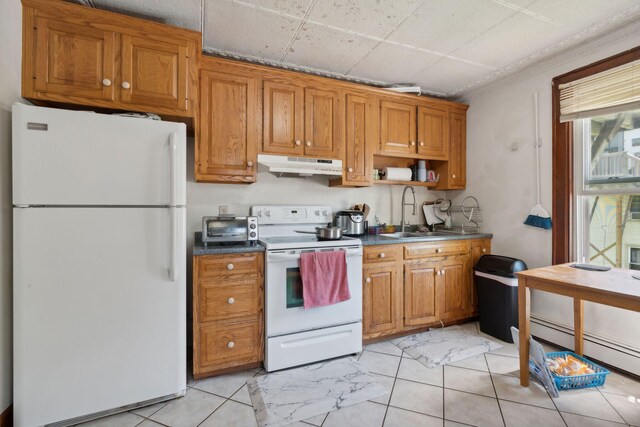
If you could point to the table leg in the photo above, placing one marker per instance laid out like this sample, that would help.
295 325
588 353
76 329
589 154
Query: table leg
524 327
578 325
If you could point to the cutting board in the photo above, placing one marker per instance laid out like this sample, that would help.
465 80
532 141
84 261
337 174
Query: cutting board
430 216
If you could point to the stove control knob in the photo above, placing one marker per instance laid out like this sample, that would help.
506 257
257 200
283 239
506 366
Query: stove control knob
230 266
231 344
368 280
382 255
268 213
252 226
252 234
325 213
317 213
259 213
231 300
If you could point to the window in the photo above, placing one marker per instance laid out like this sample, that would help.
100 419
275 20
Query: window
607 185
634 258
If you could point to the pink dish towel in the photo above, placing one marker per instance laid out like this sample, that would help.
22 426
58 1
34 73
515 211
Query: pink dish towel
324 278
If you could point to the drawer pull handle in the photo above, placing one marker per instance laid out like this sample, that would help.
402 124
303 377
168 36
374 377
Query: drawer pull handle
350 170
230 266
382 255
231 300
106 82
126 85
484 250
249 163
308 143
368 280
438 250
413 143
298 142
231 344
437 272
442 272
421 144
453 176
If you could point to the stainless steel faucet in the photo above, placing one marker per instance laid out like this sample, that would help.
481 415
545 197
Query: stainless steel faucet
404 193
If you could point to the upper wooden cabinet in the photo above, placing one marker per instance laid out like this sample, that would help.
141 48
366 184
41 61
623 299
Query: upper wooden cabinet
283 121
323 122
453 175
74 54
433 133
397 127
228 135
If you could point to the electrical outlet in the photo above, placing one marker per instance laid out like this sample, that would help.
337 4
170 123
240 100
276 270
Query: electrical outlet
222 210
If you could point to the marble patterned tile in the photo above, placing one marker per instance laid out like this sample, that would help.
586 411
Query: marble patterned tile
224 385
418 397
621 384
471 327
379 363
296 394
471 409
242 395
627 406
442 346
149 423
231 414
508 388
589 402
479 363
147 411
468 380
387 383
123 419
397 417
385 347
364 414
317 420
519 415
411 369
574 420
188 411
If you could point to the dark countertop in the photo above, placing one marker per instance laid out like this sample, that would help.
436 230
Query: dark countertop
370 239
215 249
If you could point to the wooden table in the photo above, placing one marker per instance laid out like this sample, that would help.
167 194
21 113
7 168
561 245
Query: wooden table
615 287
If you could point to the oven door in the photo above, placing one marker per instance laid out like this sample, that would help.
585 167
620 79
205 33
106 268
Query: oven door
285 313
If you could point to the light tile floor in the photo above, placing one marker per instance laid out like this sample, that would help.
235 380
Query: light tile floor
480 391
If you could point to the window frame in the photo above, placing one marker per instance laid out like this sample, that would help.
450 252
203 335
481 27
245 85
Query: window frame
564 212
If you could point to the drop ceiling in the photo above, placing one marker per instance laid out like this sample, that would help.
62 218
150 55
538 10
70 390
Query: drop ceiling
446 47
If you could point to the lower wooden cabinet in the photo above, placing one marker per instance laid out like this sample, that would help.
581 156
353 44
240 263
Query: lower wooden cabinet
228 312
417 285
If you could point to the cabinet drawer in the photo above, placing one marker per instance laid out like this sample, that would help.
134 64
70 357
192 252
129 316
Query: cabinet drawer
381 253
433 249
228 301
233 267
223 345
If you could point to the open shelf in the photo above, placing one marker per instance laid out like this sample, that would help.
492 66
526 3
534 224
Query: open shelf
417 183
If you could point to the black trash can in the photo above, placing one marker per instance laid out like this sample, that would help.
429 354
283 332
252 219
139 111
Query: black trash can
498 294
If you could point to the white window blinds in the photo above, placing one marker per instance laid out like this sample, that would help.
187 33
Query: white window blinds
611 91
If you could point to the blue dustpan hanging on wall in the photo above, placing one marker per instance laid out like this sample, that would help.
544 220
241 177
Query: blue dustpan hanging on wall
538 217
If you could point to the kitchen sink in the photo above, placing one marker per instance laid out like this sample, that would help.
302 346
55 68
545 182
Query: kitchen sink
409 234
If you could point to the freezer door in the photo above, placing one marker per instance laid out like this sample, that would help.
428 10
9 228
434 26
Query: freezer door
99 320
63 157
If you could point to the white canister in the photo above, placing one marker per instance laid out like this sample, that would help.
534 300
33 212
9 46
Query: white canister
422 175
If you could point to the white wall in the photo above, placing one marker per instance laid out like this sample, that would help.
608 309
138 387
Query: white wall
501 118
11 36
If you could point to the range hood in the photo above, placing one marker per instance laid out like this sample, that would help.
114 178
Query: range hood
302 166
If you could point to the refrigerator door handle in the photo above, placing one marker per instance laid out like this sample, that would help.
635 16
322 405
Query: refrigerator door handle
173 253
173 167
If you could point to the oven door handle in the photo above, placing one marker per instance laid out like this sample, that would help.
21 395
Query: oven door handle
351 252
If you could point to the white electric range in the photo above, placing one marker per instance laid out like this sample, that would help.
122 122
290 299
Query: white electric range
294 335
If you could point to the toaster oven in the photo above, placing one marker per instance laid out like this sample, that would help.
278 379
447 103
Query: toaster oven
229 229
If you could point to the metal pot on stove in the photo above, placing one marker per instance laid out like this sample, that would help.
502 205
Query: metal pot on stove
351 221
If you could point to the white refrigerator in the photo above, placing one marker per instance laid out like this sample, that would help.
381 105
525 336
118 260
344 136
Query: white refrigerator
99 264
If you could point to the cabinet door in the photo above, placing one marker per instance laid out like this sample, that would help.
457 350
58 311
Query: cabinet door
380 299
433 133
478 248
457 150
73 60
358 129
420 297
397 127
283 108
453 296
323 137
154 73
228 138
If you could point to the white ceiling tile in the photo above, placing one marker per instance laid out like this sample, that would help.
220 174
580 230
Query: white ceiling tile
247 30
393 63
328 49
444 25
185 14
374 18
511 40
290 7
449 75
579 13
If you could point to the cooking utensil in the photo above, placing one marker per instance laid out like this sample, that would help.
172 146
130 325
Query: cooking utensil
325 233
351 221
